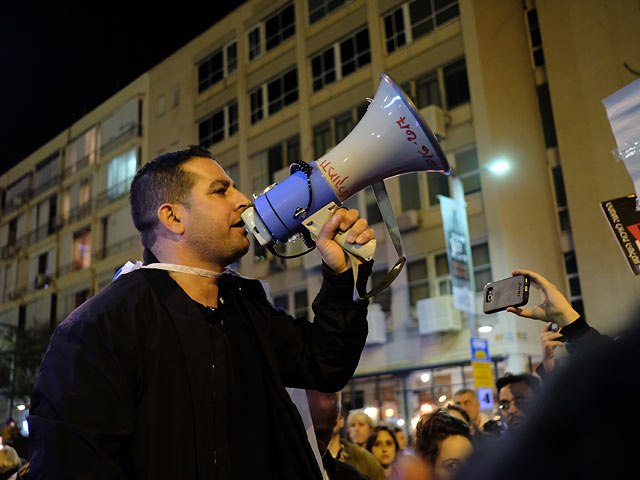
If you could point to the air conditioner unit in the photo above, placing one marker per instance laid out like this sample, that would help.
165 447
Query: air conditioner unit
437 314
409 220
435 118
376 319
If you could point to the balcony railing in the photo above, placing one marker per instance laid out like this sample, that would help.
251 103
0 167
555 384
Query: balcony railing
42 281
46 185
114 193
16 293
134 130
120 246
79 165
18 201
43 231
74 266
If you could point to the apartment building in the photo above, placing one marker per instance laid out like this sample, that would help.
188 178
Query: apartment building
278 81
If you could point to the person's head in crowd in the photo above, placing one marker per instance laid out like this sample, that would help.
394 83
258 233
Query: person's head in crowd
324 409
9 460
460 413
467 399
384 446
359 425
401 438
444 442
515 395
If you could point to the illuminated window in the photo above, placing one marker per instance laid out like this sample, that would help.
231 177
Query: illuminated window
81 249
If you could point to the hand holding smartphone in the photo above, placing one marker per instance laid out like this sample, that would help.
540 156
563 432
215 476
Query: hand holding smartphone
510 292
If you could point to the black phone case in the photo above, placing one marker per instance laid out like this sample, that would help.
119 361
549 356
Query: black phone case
510 292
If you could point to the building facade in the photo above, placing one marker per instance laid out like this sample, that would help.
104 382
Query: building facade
279 81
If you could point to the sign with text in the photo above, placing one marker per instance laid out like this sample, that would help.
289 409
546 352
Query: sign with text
485 397
479 349
483 374
624 221
456 234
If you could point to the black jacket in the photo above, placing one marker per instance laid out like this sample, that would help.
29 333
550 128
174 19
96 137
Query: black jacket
127 387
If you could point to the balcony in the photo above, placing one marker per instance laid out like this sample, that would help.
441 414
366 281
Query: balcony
132 131
16 293
18 201
42 281
115 248
114 193
79 165
78 213
44 231
13 247
47 185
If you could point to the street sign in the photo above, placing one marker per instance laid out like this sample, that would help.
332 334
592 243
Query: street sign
480 350
485 397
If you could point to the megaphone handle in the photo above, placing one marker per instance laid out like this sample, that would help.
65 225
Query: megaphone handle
316 221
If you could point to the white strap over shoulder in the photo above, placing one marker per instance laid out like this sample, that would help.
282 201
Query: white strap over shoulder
171 267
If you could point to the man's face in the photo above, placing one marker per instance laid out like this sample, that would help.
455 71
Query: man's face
359 431
214 231
470 403
513 401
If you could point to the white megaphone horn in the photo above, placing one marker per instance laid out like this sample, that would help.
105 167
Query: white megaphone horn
391 139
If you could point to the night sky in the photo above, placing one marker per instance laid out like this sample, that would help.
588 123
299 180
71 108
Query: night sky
57 65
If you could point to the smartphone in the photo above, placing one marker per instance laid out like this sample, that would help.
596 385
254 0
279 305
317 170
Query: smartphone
510 292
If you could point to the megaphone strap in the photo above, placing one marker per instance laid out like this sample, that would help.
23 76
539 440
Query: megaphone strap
390 221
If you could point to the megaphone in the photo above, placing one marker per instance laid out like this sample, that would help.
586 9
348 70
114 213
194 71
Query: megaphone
391 139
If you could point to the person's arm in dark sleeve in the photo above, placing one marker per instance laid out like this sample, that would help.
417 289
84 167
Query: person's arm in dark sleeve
323 354
81 416
579 334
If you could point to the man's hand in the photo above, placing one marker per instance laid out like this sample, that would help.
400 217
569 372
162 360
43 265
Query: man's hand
550 340
554 307
342 220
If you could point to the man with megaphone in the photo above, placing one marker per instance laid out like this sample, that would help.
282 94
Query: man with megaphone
178 368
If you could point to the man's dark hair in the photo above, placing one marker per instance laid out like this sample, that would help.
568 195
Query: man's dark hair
510 378
435 427
162 180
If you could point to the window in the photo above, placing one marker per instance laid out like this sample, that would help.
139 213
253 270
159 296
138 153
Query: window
320 8
575 292
428 91
340 59
322 138
281 302
437 184
481 265
535 38
81 249
176 96
426 15
373 210
354 52
268 162
468 171
280 26
232 57
254 42
210 71
418 281
546 114
257 105
161 104
456 83
410 191
280 92
120 173
394 30
344 125
323 69
283 91
219 125
561 199
443 279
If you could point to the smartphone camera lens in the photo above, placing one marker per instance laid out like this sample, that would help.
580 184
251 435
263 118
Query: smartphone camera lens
489 294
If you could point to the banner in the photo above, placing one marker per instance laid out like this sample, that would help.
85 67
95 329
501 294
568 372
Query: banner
625 225
456 234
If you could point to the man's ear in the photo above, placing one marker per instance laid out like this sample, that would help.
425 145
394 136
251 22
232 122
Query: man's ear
170 215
